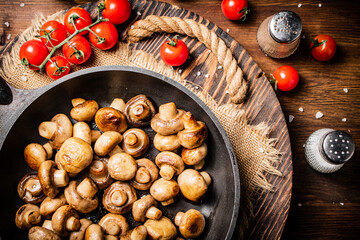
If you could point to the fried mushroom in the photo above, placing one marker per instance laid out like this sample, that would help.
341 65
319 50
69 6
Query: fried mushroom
194 185
94 232
84 111
82 130
65 220
51 179
122 166
50 205
138 233
80 234
107 142
139 111
194 133
170 164
166 143
27 216
114 224
29 189
168 121
119 197
164 191
110 119
136 142
41 233
195 157
146 174
118 104
35 154
98 172
191 223
145 207
160 229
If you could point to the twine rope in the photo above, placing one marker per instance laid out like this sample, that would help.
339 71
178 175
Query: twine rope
236 84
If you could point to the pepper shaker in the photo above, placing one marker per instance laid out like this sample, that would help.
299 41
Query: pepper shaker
278 36
327 150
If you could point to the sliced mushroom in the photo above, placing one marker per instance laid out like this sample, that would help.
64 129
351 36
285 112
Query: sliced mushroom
41 233
166 143
146 174
84 111
82 196
82 130
139 111
80 234
194 185
136 142
74 155
50 205
98 172
138 233
28 216
164 191
52 179
94 232
122 166
95 134
191 223
118 104
119 197
145 207
57 130
194 133
114 224
35 154
168 121
107 142
160 229
65 220
195 157
170 164
29 189
110 119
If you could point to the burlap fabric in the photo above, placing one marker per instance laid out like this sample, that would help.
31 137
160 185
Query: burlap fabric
246 139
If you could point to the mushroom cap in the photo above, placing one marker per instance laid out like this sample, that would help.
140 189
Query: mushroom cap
192 224
29 189
82 130
192 184
171 159
79 235
64 130
50 205
27 216
145 167
34 155
94 232
166 143
110 119
98 172
106 142
141 206
136 142
195 155
122 166
78 202
138 233
194 133
169 120
45 174
41 233
163 190
139 111
161 229
75 155
114 224
119 197
85 111
60 217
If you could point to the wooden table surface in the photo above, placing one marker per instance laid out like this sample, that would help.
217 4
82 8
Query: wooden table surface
323 206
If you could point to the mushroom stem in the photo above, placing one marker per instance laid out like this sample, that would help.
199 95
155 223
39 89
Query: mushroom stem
131 139
86 189
97 168
33 186
61 178
72 224
48 150
139 109
153 213
112 228
206 177
142 175
168 111
167 202
167 172
47 129
139 233
116 149
199 165
118 104
95 134
178 217
190 121
47 224
32 217
118 198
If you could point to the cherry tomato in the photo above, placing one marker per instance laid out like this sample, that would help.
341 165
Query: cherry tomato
323 47
235 9
80 16
117 11
33 52
77 50
106 35
174 52
52 33
57 67
285 78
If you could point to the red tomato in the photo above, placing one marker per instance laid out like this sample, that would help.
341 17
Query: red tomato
285 78
57 67
33 53
323 47
174 52
52 33
106 35
80 16
235 9
77 50
117 11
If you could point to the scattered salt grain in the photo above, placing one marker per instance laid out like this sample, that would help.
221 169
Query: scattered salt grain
349 130
301 109
227 92
291 118
138 13
299 5
132 27
346 90
261 150
303 145
172 68
320 5
319 115
344 119
342 204
209 51
266 55
180 71
227 30
24 78
198 73
9 36
219 67
299 204
196 87
22 4
206 75
7 24
303 36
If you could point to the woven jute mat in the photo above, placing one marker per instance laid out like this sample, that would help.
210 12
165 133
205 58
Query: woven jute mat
246 139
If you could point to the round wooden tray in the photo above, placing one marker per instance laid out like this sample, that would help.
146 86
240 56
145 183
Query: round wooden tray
270 208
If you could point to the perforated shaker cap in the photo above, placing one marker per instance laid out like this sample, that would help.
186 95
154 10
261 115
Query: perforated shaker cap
338 147
285 27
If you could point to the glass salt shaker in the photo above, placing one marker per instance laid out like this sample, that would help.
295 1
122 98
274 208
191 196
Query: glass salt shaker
278 36
327 150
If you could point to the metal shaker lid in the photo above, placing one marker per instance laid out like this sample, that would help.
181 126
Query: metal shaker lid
285 26
338 147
